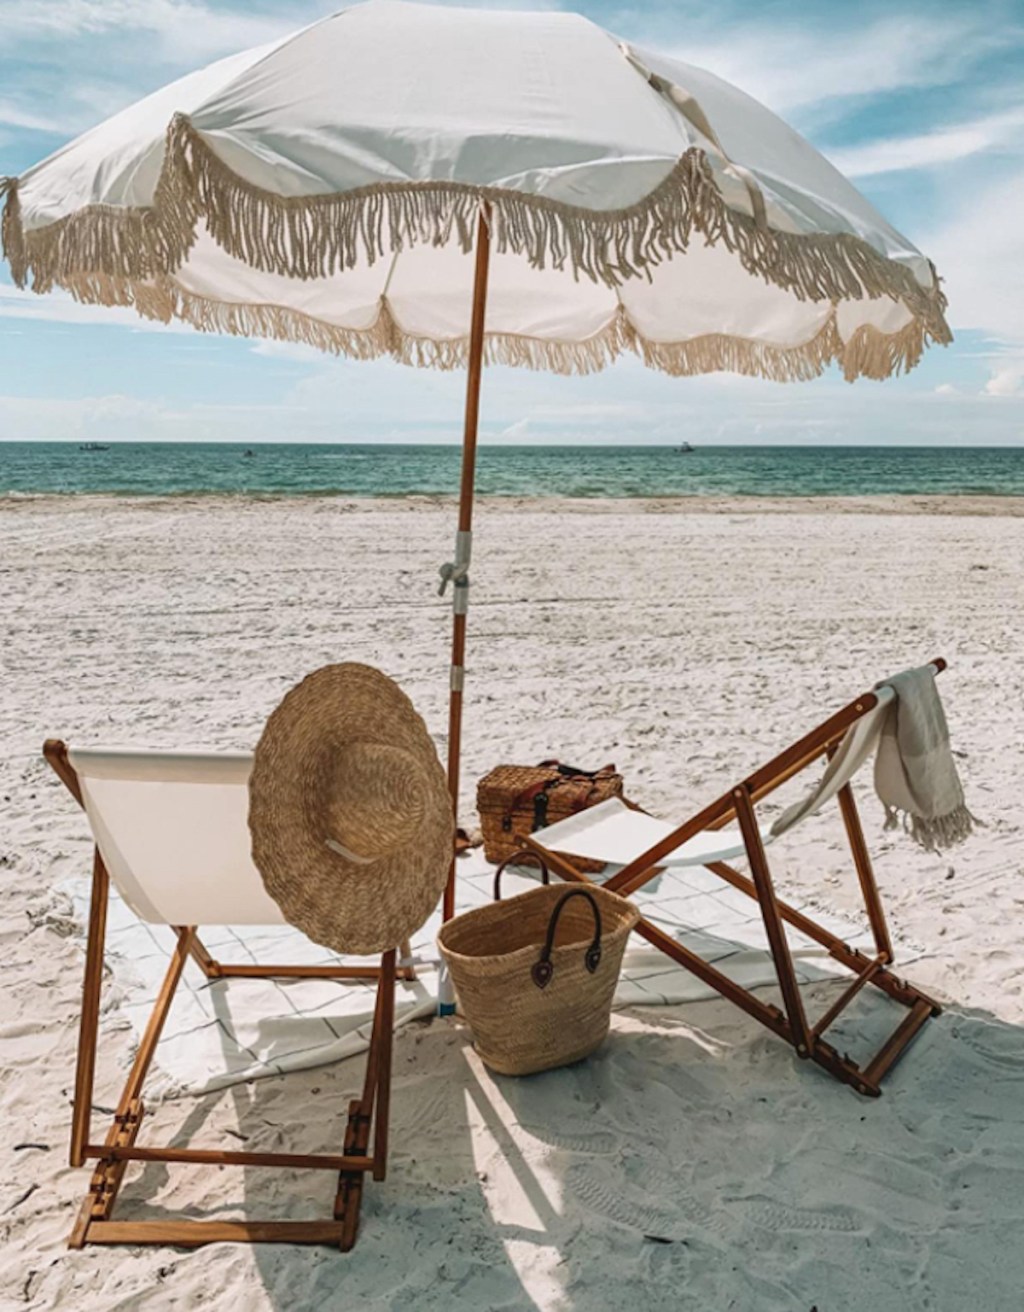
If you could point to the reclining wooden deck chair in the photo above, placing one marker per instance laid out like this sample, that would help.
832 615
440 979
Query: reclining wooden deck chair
623 835
171 833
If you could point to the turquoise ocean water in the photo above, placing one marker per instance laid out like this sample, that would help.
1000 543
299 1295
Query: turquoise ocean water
190 469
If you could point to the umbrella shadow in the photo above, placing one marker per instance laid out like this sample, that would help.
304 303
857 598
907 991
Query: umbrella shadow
691 1138
305 1111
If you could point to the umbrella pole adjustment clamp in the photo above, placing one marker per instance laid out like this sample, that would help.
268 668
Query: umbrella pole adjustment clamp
456 571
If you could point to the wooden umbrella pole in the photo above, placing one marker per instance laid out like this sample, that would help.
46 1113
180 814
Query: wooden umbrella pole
458 572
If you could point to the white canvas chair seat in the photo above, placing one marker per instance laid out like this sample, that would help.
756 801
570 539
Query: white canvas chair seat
619 834
641 845
173 831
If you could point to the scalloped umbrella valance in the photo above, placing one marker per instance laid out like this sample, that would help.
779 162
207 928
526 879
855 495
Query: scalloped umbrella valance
453 186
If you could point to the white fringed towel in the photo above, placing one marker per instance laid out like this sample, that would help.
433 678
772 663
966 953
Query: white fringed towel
915 773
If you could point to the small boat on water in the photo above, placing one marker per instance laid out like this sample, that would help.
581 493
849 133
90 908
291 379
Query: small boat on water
685 449
93 446
249 453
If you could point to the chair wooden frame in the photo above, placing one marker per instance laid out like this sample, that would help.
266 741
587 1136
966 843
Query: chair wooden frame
791 1022
365 1144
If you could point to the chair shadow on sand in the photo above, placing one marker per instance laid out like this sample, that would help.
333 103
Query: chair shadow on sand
692 1161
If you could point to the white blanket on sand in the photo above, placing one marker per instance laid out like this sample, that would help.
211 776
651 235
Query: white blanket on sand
225 1032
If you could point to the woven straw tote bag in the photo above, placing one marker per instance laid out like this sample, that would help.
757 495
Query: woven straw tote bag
535 975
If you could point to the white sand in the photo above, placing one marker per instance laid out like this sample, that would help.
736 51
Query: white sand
694 1163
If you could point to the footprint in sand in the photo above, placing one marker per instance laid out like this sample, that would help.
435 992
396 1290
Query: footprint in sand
1000 1045
598 1143
659 1208
778 1218
618 1203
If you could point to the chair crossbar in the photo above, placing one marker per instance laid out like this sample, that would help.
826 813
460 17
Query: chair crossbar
193 1234
847 996
217 1157
214 969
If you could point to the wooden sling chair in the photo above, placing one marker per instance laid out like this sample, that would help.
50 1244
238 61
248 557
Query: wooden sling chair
623 835
171 833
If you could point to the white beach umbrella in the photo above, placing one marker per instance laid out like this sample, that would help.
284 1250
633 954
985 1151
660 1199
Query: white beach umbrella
452 186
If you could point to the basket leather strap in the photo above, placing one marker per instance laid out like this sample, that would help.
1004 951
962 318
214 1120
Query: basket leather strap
544 967
573 771
538 793
523 857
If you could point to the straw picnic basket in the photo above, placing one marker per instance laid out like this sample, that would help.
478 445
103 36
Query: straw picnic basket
517 800
535 976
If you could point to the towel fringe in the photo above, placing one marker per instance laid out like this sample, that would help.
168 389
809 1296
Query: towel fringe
933 833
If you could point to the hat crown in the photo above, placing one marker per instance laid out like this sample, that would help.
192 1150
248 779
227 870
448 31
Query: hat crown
367 799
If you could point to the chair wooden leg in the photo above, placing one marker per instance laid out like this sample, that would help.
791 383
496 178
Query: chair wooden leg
864 1079
382 1111
98 1203
898 1042
763 1012
228 971
106 1179
88 1026
865 872
206 963
773 925
372 1109
214 969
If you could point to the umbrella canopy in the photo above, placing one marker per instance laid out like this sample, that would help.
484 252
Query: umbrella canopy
455 186
326 189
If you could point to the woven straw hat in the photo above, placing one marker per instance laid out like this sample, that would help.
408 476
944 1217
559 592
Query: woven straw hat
349 811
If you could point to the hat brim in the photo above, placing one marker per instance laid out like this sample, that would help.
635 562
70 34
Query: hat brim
344 901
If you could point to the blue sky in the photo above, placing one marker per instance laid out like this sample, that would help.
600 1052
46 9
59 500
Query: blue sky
922 105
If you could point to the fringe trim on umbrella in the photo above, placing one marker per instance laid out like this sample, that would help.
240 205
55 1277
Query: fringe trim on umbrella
138 243
717 353
870 353
163 300
317 236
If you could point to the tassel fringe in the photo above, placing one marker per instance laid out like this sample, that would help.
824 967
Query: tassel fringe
116 256
936 833
869 353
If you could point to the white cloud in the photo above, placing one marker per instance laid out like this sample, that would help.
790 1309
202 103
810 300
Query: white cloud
60 307
347 401
517 430
933 149
285 350
122 417
183 27
979 250
12 115
791 68
70 63
1007 380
